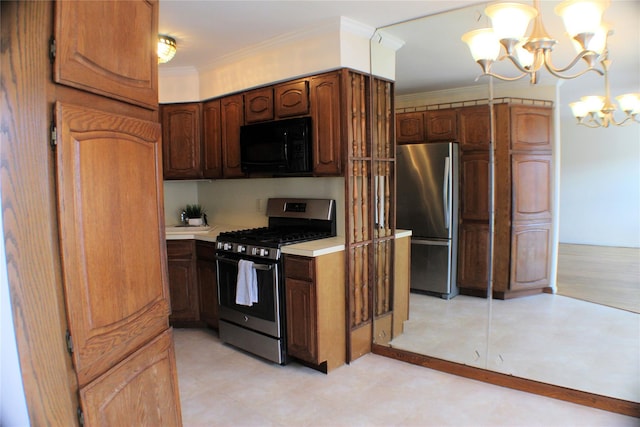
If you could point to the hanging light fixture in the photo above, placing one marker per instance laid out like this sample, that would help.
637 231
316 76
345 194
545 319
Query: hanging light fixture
598 111
166 48
529 54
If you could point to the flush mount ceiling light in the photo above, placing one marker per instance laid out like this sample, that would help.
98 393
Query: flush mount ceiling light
510 21
166 48
598 111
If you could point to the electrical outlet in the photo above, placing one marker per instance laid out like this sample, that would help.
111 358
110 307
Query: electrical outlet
261 205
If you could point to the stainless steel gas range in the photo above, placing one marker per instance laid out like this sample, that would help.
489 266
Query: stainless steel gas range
249 272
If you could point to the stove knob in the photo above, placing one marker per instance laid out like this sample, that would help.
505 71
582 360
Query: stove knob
241 249
227 246
264 252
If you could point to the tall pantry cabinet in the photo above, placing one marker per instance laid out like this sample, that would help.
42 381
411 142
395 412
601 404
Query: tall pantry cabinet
523 195
82 165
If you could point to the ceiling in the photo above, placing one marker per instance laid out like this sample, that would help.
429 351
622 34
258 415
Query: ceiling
433 56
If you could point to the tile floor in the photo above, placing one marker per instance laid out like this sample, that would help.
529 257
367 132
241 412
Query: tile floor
548 338
221 386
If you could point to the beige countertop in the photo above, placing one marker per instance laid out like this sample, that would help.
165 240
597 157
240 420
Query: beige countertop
312 248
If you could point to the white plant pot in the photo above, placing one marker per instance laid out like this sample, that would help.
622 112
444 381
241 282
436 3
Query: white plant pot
195 221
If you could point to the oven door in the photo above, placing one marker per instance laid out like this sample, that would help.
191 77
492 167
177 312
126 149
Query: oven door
263 316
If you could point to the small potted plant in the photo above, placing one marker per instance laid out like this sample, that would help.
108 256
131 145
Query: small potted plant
194 214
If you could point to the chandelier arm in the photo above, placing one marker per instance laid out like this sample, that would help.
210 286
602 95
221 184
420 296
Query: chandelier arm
556 71
498 76
589 124
514 60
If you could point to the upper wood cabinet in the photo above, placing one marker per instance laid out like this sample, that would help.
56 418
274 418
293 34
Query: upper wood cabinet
474 128
410 127
441 125
231 119
531 175
426 126
325 96
474 186
530 128
292 98
181 140
212 140
85 56
258 105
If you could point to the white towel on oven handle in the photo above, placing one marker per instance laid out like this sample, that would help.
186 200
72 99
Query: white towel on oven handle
247 284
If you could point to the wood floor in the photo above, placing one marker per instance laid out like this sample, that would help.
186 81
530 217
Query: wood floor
601 274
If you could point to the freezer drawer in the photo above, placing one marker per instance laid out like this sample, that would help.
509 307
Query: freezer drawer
433 268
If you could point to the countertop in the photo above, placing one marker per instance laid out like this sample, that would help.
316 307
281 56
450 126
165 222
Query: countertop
312 248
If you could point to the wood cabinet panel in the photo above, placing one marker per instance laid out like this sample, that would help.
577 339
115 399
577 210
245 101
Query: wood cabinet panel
107 166
182 281
474 186
441 125
531 187
207 283
212 140
181 144
530 256
85 56
114 399
410 127
473 256
232 113
302 337
258 105
325 97
292 98
531 128
474 128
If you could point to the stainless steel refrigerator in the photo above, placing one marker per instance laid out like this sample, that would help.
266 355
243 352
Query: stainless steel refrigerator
427 204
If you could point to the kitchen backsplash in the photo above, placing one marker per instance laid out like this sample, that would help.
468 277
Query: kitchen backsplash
243 201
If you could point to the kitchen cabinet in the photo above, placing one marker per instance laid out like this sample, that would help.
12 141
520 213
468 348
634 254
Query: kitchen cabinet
292 98
427 126
181 140
183 289
523 197
325 96
315 307
441 125
231 118
207 284
258 105
211 140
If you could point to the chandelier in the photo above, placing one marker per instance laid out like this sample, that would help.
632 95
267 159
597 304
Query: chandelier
510 21
166 48
598 111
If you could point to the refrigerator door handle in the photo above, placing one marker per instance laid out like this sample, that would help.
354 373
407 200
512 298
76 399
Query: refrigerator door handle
446 191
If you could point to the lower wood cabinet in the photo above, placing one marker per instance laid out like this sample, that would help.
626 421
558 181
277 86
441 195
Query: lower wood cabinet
315 307
207 284
192 283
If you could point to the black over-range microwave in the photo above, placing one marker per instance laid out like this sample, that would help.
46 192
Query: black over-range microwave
279 147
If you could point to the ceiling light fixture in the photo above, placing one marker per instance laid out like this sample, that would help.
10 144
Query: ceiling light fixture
598 111
166 48
582 20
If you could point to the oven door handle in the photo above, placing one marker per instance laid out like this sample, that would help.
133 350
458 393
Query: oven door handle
264 267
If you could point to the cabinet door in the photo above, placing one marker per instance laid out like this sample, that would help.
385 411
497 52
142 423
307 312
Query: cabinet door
138 390
181 140
530 128
212 140
474 128
531 180
258 105
325 113
292 99
113 262
182 281
301 319
208 288
88 34
473 256
231 119
410 127
474 186
530 256
441 125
